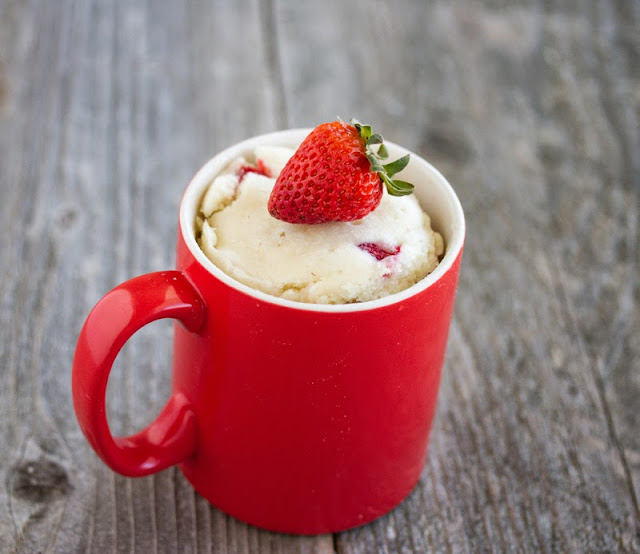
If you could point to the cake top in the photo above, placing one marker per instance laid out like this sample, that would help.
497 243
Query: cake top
383 252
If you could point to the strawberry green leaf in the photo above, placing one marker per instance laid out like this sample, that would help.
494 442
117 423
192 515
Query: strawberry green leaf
394 167
387 171
363 130
375 164
396 188
401 188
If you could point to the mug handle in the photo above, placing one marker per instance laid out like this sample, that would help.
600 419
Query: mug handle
172 437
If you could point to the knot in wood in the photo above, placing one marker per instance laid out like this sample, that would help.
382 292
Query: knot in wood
39 480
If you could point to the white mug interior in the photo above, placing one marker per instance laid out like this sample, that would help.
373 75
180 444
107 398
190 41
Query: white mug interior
435 194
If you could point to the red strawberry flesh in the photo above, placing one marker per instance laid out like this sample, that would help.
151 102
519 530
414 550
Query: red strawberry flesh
260 168
327 179
377 251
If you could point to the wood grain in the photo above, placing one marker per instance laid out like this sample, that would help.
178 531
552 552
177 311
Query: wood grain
530 109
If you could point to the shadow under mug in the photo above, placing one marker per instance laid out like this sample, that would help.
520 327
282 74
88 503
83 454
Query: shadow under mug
293 417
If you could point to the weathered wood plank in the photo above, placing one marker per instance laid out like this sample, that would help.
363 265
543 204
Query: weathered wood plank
616 352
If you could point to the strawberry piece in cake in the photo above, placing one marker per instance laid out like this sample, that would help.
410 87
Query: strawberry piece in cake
377 251
260 168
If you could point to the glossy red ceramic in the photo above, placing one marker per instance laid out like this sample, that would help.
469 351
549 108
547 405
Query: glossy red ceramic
293 417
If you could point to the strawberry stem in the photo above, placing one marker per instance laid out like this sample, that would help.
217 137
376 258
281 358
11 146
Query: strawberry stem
386 171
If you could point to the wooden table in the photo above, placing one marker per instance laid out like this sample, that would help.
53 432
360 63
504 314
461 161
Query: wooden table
532 111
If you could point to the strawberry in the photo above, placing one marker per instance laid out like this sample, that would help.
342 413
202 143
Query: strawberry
335 175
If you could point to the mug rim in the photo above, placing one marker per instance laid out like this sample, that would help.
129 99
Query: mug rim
292 137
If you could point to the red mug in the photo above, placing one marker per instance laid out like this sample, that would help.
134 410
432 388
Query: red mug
298 418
